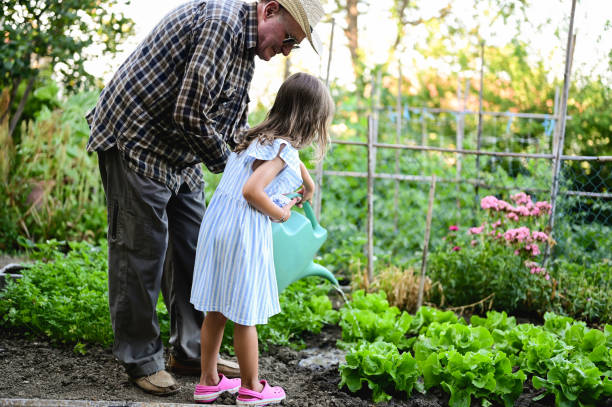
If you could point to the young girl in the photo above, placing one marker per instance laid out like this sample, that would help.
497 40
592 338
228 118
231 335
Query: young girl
234 275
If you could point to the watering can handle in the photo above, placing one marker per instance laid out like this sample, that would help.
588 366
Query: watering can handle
307 210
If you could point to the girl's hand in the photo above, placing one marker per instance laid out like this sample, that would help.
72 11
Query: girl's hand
308 188
306 194
286 212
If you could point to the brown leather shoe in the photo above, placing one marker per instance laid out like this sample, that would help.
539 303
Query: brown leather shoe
193 368
187 368
228 368
159 383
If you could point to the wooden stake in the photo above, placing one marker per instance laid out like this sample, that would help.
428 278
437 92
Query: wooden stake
432 192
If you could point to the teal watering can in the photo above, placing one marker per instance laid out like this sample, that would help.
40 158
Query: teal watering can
296 242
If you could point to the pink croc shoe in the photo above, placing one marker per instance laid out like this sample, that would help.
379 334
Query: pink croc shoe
269 395
208 394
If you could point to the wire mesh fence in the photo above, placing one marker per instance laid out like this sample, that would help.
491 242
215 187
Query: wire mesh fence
514 154
583 224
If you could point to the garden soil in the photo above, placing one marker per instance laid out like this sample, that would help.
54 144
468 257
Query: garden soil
37 369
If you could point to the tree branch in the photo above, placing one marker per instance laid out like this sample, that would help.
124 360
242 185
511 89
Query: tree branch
442 13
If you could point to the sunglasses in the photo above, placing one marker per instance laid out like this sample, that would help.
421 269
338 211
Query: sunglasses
290 41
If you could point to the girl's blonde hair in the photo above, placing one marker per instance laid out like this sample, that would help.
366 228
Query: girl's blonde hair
301 114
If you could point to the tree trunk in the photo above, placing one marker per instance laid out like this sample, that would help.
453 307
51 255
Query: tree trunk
351 32
22 102
11 97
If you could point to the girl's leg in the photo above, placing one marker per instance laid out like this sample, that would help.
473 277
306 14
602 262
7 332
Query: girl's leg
247 352
211 336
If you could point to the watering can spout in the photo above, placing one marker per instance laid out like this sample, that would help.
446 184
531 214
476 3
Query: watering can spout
315 269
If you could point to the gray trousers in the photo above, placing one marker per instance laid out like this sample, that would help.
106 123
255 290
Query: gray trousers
152 238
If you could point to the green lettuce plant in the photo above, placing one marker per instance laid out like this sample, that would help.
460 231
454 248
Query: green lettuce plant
575 382
486 375
382 367
369 317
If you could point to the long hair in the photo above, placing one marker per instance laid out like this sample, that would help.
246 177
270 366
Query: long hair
301 114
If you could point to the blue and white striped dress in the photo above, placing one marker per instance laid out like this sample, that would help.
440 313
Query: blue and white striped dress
234 266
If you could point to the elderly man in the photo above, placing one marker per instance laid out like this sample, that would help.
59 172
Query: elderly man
178 100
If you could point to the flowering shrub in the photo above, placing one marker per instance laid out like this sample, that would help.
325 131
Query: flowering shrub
500 256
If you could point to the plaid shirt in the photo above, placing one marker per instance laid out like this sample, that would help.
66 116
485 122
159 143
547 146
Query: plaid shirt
182 94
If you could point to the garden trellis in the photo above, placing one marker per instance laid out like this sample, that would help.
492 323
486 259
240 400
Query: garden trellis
527 146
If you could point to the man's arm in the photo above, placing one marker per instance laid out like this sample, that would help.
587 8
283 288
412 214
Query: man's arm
199 94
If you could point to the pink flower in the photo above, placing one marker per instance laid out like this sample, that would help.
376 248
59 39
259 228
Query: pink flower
489 202
496 224
522 211
517 235
533 248
521 198
474 242
541 236
456 248
543 206
547 277
453 228
513 216
476 231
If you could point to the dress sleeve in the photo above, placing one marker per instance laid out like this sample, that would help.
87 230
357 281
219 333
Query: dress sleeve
290 178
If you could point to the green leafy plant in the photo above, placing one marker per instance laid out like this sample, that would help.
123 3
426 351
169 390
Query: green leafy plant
488 360
369 317
382 367
585 292
485 374
448 336
63 297
494 320
575 382
53 189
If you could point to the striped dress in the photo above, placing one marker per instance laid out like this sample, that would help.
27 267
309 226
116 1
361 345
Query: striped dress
234 266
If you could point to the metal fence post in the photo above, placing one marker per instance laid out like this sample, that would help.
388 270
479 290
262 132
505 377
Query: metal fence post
398 133
372 129
479 132
560 130
319 169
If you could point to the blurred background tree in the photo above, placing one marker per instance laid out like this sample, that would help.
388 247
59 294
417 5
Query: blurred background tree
53 35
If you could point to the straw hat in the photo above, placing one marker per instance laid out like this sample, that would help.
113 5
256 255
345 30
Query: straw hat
307 13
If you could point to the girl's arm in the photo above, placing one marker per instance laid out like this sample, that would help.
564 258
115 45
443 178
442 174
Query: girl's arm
253 190
309 185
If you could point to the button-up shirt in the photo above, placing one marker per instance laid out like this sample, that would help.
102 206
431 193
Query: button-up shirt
182 94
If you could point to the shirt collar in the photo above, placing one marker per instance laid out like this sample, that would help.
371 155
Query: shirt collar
251 25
